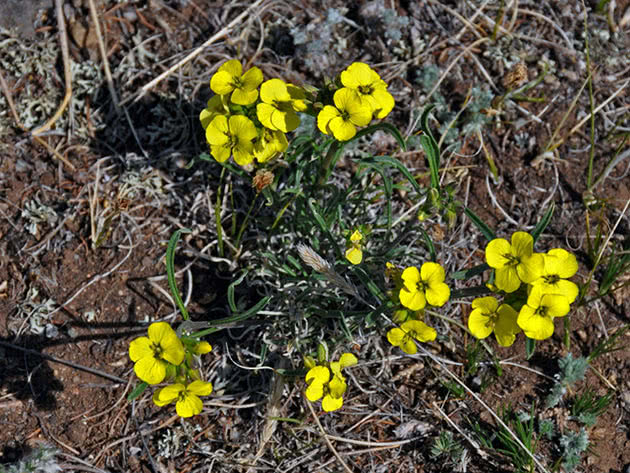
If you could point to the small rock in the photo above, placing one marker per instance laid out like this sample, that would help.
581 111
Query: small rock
582 334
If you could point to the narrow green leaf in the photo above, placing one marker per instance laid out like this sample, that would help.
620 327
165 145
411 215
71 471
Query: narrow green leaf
230 291
540 226
137 391
389 161
219 324
485 230
170 270
430 245
466 274
430 146
530 347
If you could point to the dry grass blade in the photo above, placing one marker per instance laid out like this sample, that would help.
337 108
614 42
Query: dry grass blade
63 40
327 439
220 34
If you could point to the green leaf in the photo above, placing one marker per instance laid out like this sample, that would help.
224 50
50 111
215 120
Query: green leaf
170 270
219 324
471 272
540 226
430 245
485 230
387 127
137 391
430 146
530 347
230 291
389 161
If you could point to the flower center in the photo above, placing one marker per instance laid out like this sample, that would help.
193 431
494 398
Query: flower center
542 311
551 279
511 259
492 319
366 89
157 350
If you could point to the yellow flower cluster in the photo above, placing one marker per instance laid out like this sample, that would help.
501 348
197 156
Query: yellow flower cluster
415 288
326 381
245 123
548 292
163 355
364 95
248 119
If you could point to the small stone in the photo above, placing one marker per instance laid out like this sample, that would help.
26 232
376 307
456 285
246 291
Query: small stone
582 334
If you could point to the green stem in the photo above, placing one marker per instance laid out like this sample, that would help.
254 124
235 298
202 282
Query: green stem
325 170
217 214
244 224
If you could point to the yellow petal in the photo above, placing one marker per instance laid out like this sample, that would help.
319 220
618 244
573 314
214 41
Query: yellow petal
412 300
200 388
320 374
495 251
323 118
348 359
314 391
150 370
342 130
507 279
421 331
395 336
479 324
140 348
354 255
522 244
330 403
167 394
244 97
438 294
189 405
202 348
506 327
534 325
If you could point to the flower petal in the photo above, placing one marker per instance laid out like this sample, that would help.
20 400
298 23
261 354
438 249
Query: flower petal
319 374
314 391
438 294
534 325
415 300
495 251
150 370
506 328
330 403
479 324
200 388
354 255
347 359
188 406
507 279
140 348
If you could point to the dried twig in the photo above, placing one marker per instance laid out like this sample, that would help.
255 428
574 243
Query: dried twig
220 34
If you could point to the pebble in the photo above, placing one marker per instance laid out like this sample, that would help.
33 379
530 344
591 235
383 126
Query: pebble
582 334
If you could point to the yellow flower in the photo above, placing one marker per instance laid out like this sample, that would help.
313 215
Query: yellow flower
409 331
202 348
488 316
216 106
186 397
229 79
231 136
328 382
536 317
559 265
369 87
426 285
514 262
269 144
354 254
342 119
277 110
153 354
